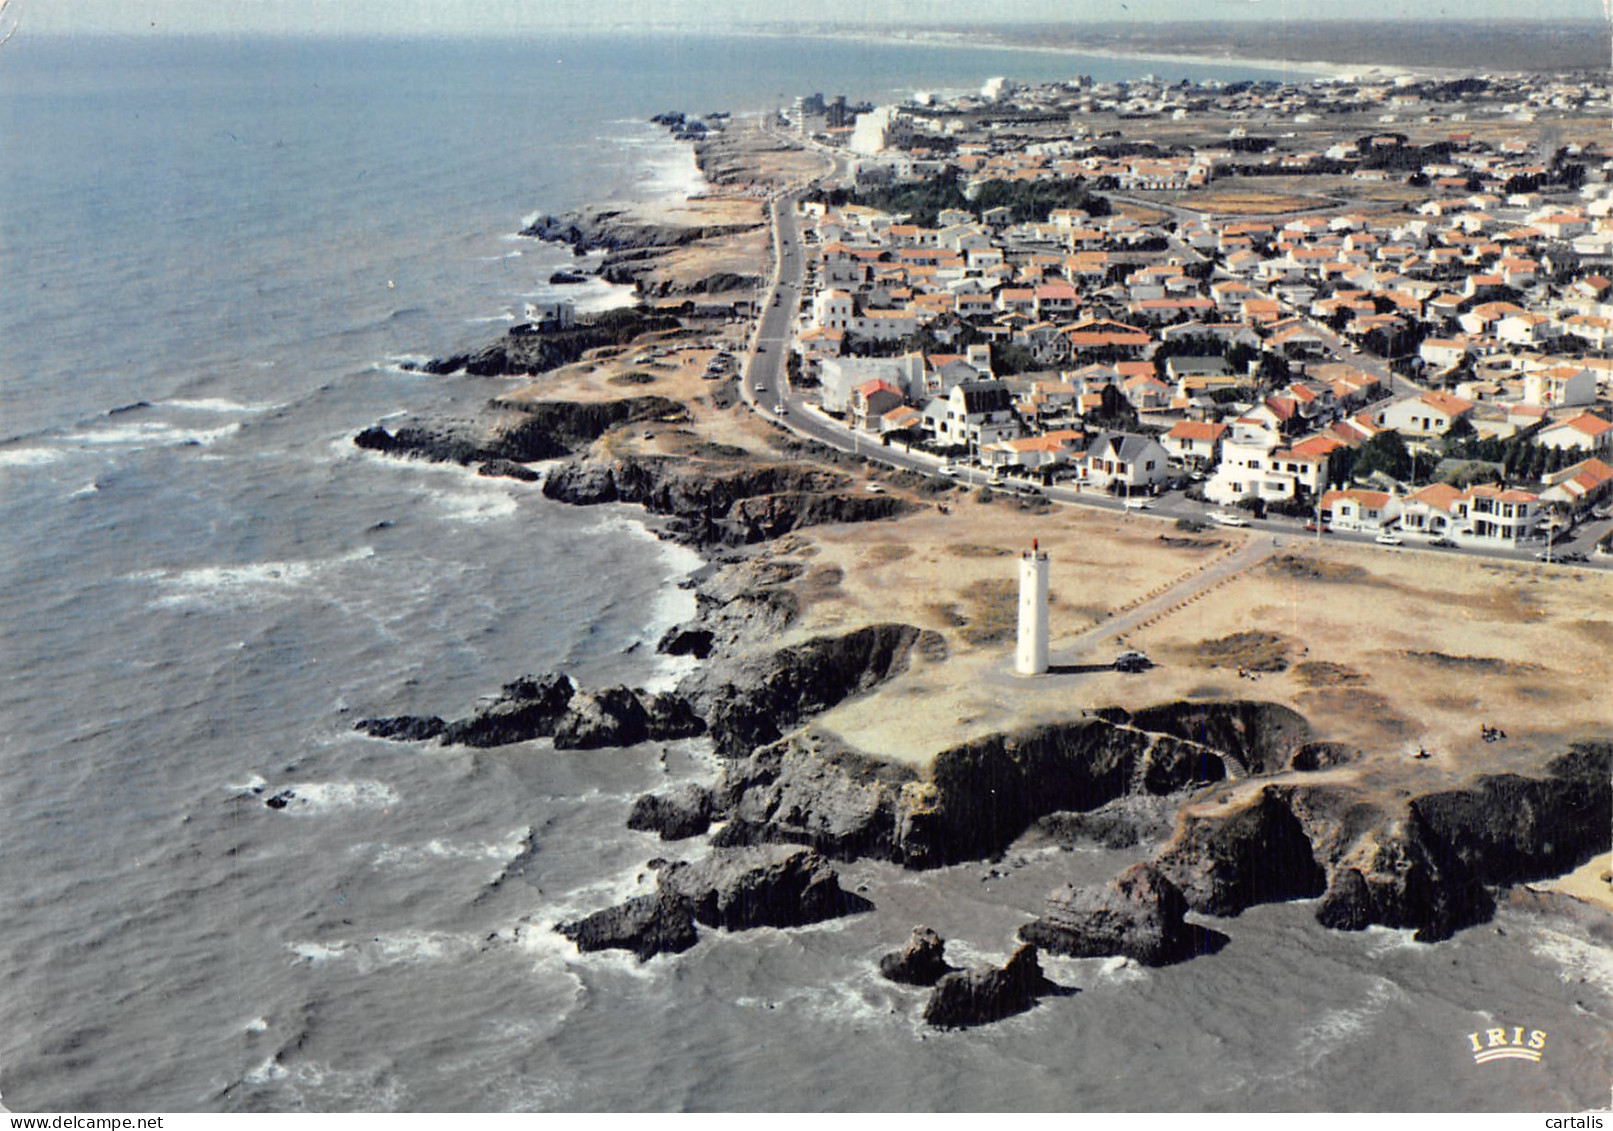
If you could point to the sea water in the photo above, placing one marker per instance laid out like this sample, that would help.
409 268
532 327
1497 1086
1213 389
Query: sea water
216 255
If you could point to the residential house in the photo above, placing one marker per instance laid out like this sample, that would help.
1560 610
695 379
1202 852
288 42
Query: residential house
1427 415
1194 444
1124 460
1586 432
1360 511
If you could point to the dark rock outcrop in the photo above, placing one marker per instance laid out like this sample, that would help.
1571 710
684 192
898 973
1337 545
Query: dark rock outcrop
647 925
984 994
612 716
530 707
681 812
1138 914
922 962
720 502
526 351
770 886
805 790
1257 853
1402 876
545 430
752 705
402 728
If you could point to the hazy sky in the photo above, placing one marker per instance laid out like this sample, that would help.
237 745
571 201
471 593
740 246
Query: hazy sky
494 16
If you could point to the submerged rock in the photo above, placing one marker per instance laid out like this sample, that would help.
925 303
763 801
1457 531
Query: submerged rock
984 994
922 962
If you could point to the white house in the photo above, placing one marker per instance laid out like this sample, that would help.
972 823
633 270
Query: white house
1137 463
1561 386
1360 511
1246 470
1586 432
1426 415
977 413
1194 443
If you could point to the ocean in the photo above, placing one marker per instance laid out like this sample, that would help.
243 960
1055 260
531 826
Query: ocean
217 253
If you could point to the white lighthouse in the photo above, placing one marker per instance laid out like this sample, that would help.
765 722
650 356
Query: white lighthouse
1031 659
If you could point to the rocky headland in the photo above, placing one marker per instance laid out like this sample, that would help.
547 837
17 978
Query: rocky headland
1262 805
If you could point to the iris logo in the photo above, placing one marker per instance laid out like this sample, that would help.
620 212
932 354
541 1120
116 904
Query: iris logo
1516 1043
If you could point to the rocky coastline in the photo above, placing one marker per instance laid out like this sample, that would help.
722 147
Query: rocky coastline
791 800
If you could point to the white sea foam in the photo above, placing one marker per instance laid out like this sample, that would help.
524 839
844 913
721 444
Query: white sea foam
84 492
151 433
506 316
257 1025
423 855
29 457
269 1072
1575 957
245 584
474 506
515 254
315 953
324 796
222 405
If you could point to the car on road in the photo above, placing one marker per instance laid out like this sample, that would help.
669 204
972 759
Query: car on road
876 488
759 387
782 409
1313 526
948 470
1389 538
1229 518
995 480
1139 504
1029 491
1132 662
1443 544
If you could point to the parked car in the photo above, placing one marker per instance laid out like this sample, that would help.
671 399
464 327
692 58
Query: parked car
1313 526
1229 518
1139 504
876 488
1389 538
1443 544
1132 662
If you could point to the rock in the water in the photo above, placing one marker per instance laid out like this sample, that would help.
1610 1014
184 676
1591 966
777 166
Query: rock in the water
922 962
402 728
507 469
681 812
768 886
1138 915
646 925
531 707
984 994
612 716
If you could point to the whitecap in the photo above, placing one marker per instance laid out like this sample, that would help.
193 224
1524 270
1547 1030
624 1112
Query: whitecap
28 457
322 797
221 405
315 953
1575 958
152 433
465 506
244 584
257 1025
84 492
